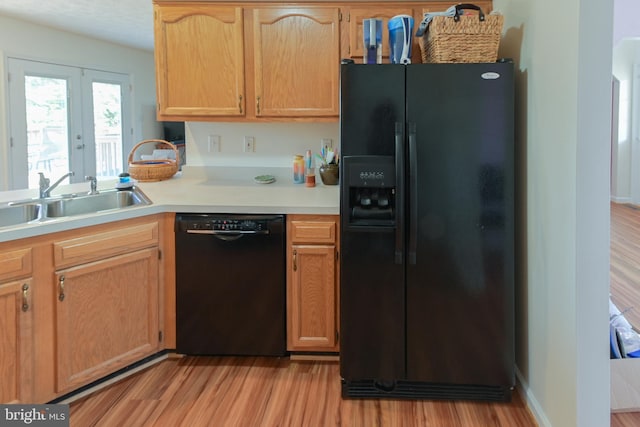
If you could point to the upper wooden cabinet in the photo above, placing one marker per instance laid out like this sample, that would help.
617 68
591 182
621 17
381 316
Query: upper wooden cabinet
199 54
296 55
233 63
264 61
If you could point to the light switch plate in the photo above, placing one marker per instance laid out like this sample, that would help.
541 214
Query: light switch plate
214 144
249 144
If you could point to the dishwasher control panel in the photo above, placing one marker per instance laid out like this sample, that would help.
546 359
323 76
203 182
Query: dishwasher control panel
211 222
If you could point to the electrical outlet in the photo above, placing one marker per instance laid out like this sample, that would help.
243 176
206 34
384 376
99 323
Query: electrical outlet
214 143
326 142
249 144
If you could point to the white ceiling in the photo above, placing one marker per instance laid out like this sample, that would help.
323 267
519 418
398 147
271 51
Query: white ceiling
125 22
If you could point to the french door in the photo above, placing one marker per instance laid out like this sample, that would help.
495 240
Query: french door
64 118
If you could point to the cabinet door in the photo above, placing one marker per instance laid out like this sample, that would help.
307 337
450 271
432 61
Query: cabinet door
297 61
199 55
358 14
106 316
311 320
16 342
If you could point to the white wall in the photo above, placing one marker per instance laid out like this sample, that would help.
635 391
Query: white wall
626 53
275 143
563 122
625 16
22 39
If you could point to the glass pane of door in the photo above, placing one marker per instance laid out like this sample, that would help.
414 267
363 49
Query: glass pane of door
47 114
107 119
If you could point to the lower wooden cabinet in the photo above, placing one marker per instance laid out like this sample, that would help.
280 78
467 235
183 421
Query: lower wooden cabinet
78 305
106 316
312 283
16 341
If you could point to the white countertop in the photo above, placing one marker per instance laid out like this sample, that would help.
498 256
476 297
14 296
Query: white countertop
195 189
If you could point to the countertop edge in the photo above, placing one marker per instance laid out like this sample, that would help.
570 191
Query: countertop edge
69 223
226 190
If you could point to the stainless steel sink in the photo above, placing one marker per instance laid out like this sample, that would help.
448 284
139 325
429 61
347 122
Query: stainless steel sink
19 214
103 201
24 211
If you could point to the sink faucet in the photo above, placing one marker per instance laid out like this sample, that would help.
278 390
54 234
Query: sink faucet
94 184
45 188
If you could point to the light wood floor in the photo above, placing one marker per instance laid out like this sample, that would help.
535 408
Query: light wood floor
198 391
257 392
625 260
625 278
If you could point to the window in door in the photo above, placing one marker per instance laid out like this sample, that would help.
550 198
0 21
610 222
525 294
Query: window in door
47 129
66 119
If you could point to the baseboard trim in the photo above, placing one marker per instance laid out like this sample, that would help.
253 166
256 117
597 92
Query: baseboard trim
112 378
317 357
532 402
620 199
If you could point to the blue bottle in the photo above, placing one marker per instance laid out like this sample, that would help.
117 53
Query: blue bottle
372 41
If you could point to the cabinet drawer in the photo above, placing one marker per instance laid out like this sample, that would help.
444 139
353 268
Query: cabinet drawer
313 231
14 264
104 244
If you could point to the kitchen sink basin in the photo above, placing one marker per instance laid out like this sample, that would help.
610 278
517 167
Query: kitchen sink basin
24 211
103 201
19 214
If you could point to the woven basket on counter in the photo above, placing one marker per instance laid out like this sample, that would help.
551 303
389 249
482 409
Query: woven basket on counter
462 38
156 169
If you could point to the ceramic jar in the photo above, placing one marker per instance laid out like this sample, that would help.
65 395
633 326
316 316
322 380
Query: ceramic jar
330 174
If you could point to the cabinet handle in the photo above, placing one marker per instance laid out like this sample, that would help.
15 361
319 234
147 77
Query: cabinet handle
61 288
25 300
240 104
258 105
295 260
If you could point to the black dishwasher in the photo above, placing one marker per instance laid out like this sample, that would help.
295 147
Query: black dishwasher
230 284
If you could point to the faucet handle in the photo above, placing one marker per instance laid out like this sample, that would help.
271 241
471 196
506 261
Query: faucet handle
44 181
94 184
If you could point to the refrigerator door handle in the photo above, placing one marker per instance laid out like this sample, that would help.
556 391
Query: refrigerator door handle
399 193
413 192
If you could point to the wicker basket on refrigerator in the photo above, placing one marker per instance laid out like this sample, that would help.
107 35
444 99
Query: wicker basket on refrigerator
462 38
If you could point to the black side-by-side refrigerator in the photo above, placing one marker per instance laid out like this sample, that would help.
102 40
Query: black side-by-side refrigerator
427 231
